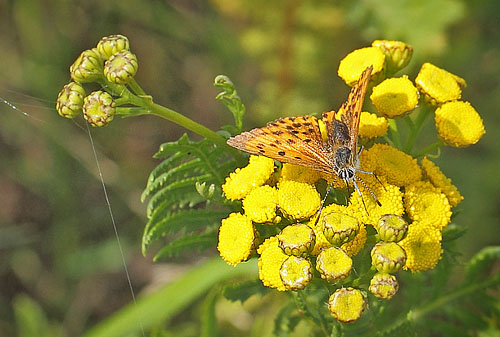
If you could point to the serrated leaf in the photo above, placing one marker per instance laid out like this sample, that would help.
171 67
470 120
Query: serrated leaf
230 98
481 261
196 242
243 290
181 171
164 166
452 232
174 191
285 321
187 220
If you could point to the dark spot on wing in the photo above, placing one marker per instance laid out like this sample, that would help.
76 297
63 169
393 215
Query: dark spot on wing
290 141
307 140
277 142
262 151
277 132
273 145
281 153
297 125
295 132
297 157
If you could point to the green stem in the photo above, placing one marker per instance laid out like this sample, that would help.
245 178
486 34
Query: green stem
187 123
417 127
136 88
418 314
302 305
395 136
429 149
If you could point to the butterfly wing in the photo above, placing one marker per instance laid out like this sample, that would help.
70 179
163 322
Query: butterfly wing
345 131
351 109
294 140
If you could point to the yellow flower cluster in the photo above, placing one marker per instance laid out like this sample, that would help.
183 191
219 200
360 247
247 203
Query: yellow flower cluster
397 205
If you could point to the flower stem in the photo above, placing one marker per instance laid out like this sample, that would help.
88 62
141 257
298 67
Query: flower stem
417 127
136 88
419 313
395 136
431 148
302 305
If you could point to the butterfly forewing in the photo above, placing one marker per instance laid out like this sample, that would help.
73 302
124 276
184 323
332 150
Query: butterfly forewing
294 140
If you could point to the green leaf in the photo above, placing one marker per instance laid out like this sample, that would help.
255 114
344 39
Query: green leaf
182 171
243 290
30 318
229 97
285 320
158 306
198 242
175 191
187 220
452 232
481 261
208 319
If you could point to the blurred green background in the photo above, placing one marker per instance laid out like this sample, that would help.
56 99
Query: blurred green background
60 267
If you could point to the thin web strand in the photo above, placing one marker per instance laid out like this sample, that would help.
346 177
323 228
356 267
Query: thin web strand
113 222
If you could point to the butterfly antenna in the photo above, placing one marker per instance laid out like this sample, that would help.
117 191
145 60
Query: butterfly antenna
324 200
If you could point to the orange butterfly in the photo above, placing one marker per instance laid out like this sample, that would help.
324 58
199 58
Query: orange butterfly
298 140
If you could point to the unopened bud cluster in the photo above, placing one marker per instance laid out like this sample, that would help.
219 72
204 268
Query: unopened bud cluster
110 63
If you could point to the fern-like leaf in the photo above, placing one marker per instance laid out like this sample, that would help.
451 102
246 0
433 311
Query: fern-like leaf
188 243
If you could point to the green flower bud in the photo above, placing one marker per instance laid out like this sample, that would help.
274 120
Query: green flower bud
384 285
99 108
121 67
397 54
391 227
296 273
112 44
340 228
298 239
388 257
87 67
347 304
333 264
69 102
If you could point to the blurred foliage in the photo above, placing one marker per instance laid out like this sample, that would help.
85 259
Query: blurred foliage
61 270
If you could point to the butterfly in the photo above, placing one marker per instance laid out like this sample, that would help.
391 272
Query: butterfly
298 140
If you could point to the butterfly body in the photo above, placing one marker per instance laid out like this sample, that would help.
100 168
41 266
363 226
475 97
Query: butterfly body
299 140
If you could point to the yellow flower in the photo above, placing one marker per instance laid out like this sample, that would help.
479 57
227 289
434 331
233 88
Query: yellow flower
425 203
422 245
298 200
438 85
270 261
352 66
458 124
347 304
297 239
372 126
388 257
384 285
299 173
243 181
389 196
339 228
439 180
397 54
333 264
296 273
395 97
236 238
353 247
396 166
321 241
260 204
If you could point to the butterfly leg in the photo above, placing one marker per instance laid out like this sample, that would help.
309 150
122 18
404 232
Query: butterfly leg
360 194
369 190
324 200
373 174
